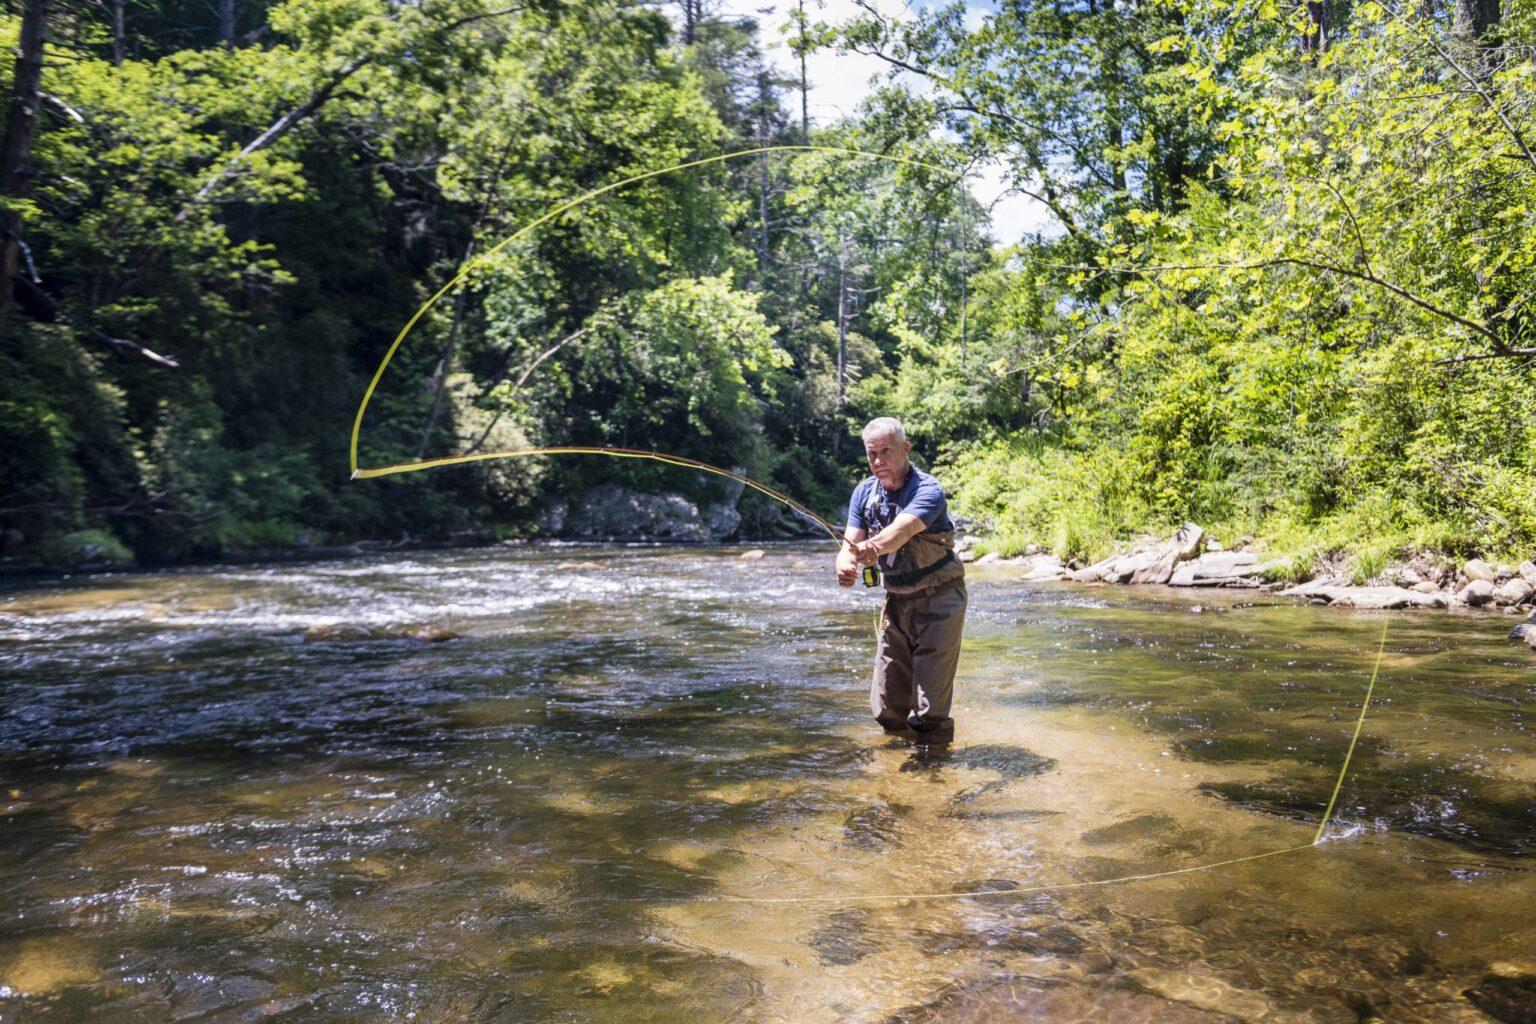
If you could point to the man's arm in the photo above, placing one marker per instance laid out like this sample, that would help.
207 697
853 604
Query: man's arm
847 564
892 538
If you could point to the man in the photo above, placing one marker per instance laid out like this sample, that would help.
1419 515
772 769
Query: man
898 519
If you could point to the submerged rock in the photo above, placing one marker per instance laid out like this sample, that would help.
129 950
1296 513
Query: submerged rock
349 632
1526 631
1507 994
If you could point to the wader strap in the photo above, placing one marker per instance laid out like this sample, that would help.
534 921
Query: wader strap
906 579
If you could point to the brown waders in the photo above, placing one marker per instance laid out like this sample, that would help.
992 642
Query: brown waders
919 646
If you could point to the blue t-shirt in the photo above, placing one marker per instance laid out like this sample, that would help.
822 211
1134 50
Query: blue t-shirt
873 509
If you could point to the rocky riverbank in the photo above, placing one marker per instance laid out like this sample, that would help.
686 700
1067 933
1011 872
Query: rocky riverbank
1192 559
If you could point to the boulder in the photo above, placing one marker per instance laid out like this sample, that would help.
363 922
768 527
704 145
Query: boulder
1477 569
989 558
752 556
1516 590
1507 994
1219 569
1526 631
551 516
612 511
1365 597
1425 588
721 519
1043 568
1158 565
1476 593
1528 572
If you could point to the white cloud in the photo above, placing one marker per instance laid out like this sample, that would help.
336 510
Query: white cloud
838 82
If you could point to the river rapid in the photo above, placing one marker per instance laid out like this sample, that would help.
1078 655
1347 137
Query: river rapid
567 813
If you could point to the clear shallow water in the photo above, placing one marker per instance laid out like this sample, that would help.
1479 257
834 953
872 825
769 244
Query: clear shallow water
205 817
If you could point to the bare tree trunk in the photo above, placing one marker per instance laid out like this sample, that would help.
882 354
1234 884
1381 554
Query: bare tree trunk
763 96
20 131
805 103
842 340
842 320
690 21
119 32
227 23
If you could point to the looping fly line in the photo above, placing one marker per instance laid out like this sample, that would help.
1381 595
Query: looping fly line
370 472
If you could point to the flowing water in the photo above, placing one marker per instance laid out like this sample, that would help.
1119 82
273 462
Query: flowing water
565 813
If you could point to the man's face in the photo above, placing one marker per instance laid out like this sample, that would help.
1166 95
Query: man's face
887 459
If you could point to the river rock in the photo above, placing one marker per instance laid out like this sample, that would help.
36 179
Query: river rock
351 632
989 558
1528 572
721 519
1219 569
1516 590
1365 597
1507 994
1041 568
1477 569
610 510
551 516
1158 565
752 556
1525 631
1476 593
1425 587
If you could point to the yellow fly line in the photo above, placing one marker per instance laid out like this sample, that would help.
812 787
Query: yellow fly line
370 472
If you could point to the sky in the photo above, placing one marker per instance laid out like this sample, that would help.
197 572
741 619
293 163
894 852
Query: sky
839 81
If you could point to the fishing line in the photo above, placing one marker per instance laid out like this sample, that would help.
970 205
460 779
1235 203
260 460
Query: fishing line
373 472
365 473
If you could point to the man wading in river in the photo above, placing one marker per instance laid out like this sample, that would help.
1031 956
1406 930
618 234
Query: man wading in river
913 544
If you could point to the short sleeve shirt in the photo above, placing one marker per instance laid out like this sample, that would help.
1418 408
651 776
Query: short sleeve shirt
873 508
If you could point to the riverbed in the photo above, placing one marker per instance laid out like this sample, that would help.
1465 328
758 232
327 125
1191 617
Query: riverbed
642 784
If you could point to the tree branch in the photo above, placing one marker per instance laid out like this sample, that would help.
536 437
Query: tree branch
1508 353
282 126
133 346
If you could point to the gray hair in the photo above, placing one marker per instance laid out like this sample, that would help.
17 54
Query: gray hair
885 426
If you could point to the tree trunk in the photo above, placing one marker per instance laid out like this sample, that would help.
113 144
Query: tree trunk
763 97
1474 18
1315 39
227 23
805 103
20 131
119 32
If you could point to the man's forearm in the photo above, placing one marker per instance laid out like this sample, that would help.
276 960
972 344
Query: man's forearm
895 536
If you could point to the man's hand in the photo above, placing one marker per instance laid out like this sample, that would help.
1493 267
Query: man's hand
866 553
847 564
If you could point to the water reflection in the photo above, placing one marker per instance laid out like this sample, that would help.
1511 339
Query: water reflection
206 817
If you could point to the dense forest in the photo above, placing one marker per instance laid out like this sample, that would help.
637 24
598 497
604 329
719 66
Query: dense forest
1285 292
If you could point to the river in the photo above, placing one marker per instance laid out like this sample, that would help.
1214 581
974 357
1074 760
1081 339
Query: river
567 813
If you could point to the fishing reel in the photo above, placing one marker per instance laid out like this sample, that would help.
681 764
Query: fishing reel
871 576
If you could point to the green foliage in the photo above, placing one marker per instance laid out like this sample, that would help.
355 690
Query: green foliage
1286 292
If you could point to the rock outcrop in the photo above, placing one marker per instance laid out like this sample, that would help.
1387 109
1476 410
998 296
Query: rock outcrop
613 512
